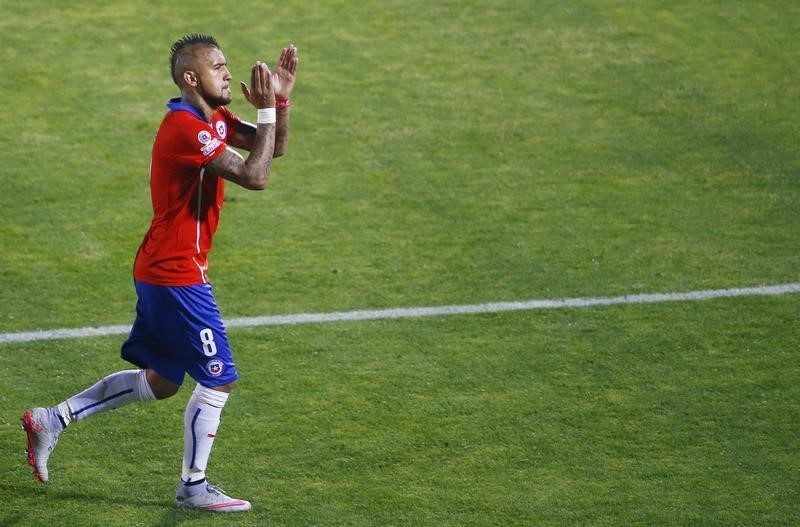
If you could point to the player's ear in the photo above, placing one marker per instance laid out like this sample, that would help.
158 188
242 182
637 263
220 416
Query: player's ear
190 78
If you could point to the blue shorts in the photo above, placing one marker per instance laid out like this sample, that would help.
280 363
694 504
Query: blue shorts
179 330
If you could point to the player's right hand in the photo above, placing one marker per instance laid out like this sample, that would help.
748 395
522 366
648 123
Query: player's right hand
260 93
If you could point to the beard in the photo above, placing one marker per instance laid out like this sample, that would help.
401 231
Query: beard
215 101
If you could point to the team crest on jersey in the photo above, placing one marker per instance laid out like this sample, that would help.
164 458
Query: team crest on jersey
204 137
215 367
222 129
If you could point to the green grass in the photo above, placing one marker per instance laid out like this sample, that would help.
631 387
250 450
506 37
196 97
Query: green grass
446 153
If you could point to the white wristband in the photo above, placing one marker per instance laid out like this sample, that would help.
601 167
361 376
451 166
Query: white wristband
266 116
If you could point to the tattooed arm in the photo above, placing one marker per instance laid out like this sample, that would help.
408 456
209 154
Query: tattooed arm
253 172
244 135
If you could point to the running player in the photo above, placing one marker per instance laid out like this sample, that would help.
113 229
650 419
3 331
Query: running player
178 328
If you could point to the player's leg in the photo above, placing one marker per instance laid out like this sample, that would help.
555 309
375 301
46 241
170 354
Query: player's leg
162 387
44 425
201 421
156 379
208 359
114 391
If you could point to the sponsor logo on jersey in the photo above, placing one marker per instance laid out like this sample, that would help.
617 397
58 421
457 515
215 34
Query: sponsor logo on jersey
211 146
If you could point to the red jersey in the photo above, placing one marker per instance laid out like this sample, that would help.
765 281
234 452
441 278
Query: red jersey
186 200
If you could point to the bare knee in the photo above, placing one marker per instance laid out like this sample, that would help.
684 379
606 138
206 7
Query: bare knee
227 388
162 387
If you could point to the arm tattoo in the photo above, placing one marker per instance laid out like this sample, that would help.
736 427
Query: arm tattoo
227 165
253 172
281 132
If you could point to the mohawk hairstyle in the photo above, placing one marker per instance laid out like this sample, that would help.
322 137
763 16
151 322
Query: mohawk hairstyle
189 40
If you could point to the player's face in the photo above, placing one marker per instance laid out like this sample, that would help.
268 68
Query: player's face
214 79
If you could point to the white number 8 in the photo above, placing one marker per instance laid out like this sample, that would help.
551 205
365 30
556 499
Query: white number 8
207 339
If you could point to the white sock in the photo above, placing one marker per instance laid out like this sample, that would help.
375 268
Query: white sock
200 423
115 390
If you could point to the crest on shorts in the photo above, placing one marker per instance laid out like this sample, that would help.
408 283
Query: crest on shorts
215 367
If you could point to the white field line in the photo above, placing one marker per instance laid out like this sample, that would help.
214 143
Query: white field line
413 312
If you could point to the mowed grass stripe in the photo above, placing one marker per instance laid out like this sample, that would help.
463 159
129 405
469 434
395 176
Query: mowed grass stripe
412 312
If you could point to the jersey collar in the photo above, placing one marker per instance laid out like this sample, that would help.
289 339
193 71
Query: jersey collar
176 105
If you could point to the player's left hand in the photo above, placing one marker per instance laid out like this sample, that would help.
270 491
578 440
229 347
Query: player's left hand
284 74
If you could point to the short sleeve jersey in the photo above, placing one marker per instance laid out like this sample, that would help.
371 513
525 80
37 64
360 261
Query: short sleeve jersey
186 200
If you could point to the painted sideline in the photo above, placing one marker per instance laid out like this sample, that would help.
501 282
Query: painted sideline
413 312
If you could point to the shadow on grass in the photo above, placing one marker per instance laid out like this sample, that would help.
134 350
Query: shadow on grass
172 514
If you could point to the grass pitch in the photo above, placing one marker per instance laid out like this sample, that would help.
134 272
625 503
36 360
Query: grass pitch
453 153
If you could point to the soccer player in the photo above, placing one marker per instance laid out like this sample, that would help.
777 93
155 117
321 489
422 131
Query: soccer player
178 328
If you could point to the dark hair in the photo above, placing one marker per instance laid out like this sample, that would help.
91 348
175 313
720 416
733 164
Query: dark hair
189 40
